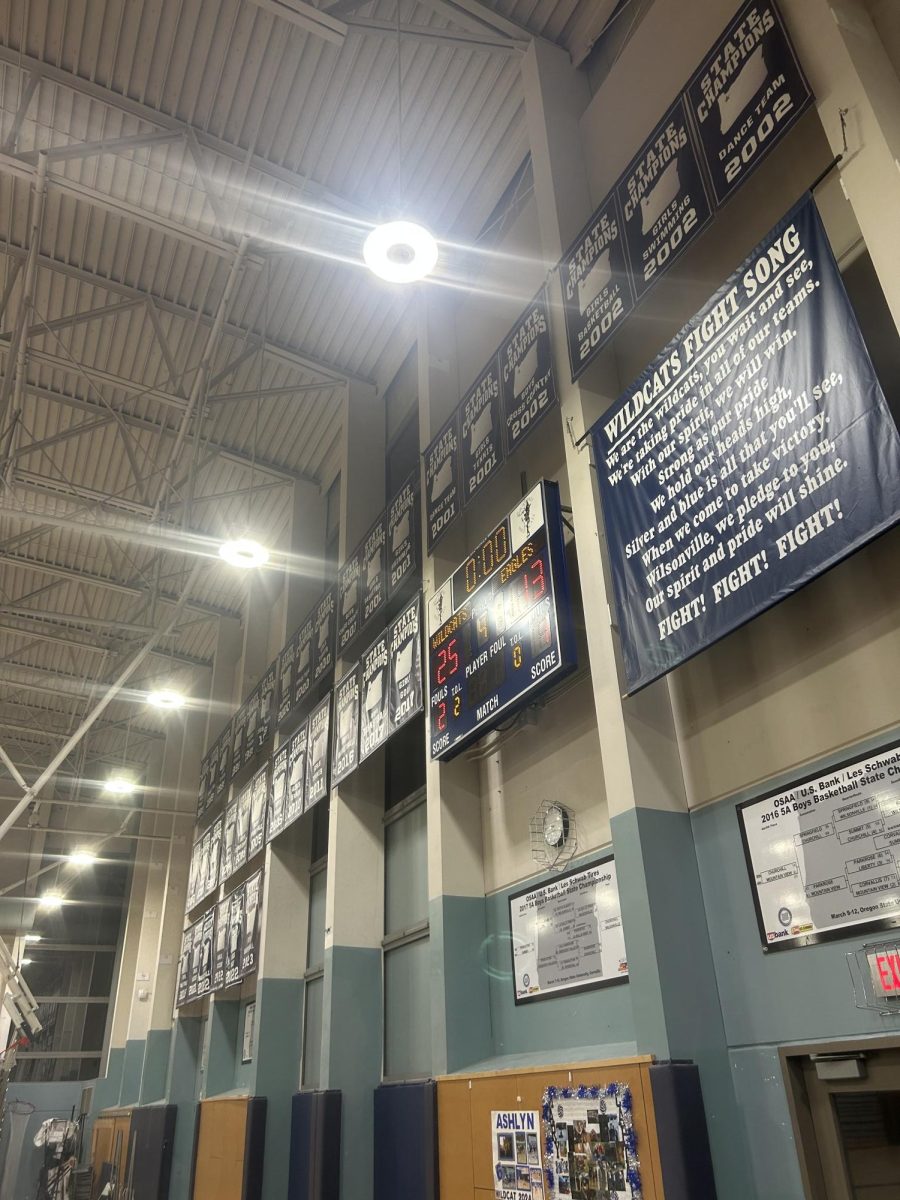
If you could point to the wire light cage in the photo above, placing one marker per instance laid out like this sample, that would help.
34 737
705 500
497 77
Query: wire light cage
875 973
556 854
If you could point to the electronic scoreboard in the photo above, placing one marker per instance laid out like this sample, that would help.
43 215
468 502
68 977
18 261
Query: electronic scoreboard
500 628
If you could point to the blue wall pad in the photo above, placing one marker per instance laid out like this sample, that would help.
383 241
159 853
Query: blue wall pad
254 1148
314 1172
684 1153
406 1141
150 1155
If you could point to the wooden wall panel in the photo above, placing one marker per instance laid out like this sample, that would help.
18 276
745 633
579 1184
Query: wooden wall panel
455 1137
221 1139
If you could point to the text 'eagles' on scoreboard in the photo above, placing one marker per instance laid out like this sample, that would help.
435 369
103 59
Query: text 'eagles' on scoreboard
500 628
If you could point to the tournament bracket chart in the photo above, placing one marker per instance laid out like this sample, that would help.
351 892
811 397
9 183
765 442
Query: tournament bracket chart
499 629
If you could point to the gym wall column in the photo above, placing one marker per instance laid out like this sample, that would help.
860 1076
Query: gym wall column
187 733
354 903
109 1087
144 979
460 1021
673 986
275 1069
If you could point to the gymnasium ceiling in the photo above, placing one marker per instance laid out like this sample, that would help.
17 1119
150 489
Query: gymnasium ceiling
188 143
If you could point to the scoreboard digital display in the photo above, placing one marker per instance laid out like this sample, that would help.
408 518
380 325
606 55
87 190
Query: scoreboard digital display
500 628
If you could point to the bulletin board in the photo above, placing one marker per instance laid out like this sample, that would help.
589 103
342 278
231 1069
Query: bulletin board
220 1150
467 1104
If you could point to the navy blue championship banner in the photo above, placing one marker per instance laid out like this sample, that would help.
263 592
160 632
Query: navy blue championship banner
259 804
251 917
405 650
266 705
374 690
527 386
238 730
755 452
372 571
482 436
218 965
348 602
443 501
662 199
286 679
402 536
296 774
278 793
345 752
318 746
303 661
251 725
747 93
324 631
596 285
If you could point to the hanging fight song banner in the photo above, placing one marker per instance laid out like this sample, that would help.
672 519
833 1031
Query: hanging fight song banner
754 453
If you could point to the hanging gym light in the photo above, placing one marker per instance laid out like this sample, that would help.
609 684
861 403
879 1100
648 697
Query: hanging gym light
400 252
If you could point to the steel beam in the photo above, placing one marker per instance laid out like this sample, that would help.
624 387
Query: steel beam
99 708
122 208
112 585
305 17
37 635
459 39
109 146
15 367
201 378
107 378
78 318
276 350
288 389
80 619
76 83
31 86
229 453
478 17
58 735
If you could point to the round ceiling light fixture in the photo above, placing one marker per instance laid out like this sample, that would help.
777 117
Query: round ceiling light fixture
32 937
51 900
82 858
166 698
400 252
244 552
26 962
118 785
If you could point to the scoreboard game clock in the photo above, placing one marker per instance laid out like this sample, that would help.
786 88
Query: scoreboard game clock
500 628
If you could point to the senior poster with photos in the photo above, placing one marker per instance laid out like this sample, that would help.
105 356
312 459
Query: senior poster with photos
516 1153
590 1144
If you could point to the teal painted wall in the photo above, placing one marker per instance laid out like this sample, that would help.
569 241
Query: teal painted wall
184 1058
458 945
108 1088
132 1067
590 1024
769 999
352 1037
276 1072
156 1062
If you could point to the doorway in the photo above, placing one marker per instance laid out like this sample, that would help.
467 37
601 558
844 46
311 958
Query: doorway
845 1105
